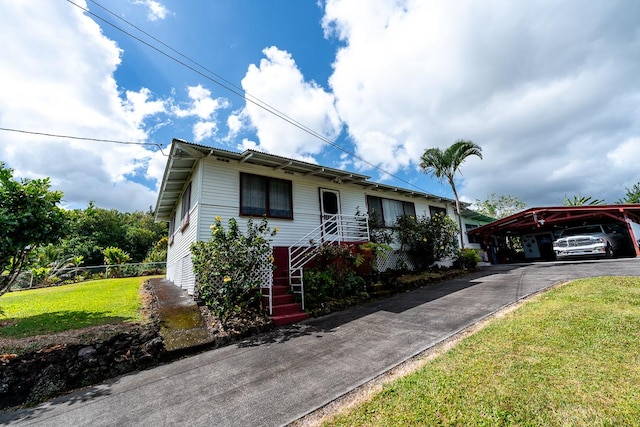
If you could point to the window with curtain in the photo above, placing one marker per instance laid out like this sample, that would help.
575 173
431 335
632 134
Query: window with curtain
387 211
261 195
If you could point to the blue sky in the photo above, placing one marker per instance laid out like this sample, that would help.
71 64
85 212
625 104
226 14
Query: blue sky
551 92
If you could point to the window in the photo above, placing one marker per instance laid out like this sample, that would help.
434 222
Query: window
261 195
172 229
472 238
387 211
186 206
434 210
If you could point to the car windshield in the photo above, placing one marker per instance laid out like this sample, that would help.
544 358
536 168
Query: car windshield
587 229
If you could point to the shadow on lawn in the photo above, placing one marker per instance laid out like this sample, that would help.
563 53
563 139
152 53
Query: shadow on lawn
58 321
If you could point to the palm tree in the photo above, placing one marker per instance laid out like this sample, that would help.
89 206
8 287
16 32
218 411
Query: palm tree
445 164
579 200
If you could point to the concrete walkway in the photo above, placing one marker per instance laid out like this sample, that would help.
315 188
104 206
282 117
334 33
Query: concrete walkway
275 379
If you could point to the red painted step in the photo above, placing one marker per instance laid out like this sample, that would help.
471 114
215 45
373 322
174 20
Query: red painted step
287 319
278 299
284 308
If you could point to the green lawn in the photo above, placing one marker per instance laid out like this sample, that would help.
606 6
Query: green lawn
60 308
569 357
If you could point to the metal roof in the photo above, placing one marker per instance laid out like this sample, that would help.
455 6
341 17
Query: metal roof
184 155
548 218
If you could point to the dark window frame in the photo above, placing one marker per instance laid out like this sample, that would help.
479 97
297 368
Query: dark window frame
172 229
267 180
185 208
408 209
473 238
436 210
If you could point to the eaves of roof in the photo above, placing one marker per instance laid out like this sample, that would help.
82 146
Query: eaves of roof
184 155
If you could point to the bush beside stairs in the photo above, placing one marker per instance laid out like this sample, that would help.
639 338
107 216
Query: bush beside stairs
285 309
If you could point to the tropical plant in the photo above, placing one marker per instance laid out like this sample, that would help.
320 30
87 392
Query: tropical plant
444 165
579 200
229 268
29 218
632 196
115 257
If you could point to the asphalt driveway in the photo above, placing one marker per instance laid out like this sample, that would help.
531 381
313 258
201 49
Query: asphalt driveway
277 378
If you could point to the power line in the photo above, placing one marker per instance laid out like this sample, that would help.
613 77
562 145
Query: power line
229 86
150 144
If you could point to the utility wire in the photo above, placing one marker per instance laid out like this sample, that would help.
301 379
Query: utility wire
151 144
229 86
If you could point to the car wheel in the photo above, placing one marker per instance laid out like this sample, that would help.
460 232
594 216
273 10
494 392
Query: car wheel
609 251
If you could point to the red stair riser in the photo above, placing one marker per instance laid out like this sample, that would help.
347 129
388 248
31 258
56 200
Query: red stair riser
288 319
278 299
279 310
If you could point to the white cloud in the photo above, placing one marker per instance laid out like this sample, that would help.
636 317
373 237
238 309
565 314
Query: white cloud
277 77
56 76
156 10
549 91
204 108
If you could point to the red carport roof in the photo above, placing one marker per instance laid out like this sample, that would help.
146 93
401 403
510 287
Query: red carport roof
542 218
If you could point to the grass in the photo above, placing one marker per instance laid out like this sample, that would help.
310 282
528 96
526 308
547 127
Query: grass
569 357
61 308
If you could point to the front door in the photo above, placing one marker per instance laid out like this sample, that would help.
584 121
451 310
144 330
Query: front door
330 209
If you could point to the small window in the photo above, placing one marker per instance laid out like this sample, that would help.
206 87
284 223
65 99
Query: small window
472 238
186 207
261 195
172 229
434 210
387 211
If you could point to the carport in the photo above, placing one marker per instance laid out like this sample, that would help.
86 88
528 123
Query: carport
536 228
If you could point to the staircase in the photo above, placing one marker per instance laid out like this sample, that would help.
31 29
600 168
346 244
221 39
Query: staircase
279 298
284 309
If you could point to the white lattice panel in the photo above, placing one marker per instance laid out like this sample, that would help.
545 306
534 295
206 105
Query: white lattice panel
396 260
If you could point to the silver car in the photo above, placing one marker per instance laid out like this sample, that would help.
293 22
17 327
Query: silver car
591 240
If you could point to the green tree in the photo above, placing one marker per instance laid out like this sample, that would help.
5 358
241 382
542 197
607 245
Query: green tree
579 200
29 218
444 165
632 196
499 206
96 229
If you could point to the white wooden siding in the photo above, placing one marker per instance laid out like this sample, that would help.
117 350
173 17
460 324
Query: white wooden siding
216 192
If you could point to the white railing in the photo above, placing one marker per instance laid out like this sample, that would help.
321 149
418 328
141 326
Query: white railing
333 229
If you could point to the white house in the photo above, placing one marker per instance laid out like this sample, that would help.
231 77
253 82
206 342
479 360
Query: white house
305 201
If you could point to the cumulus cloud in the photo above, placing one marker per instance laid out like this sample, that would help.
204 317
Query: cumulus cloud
56 76
549 91
277 77
204 108
155 10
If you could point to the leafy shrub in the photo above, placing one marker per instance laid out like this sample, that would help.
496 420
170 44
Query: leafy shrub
228 267
467 258
115 256
333 275
428 239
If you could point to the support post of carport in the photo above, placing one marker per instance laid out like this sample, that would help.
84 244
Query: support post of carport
634 239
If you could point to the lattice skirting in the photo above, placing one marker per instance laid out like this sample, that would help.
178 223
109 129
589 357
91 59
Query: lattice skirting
396 260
